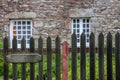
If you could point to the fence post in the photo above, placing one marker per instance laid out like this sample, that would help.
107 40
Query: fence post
58 57
14 46
101 56
32 67
65 60
49 59
92 56
109 56
23 48
83 57
40 65
74 57
5 61
117 55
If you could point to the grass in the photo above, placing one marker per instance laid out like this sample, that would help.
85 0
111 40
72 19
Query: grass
69 67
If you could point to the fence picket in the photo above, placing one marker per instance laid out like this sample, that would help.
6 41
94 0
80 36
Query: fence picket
92 57
49 59
74 57
117 55
101 56
23 48
109 57
14 46
58 57
5 61
40 65
83 57
32 67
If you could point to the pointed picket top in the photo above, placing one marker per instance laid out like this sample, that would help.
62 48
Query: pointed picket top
92 34
109 35
5 43
65 43
32 45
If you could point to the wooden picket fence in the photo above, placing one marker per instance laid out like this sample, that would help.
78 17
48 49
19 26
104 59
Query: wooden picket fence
74 53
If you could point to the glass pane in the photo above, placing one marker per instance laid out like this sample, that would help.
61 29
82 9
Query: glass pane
84 30
19 27
78 26
78 20
28 41
19 32
78 35
87 40
23 22
28 23
24 27
87 20
28 32
29 36
19 41
19 22
78 40
74 21
83 25
87 30
84 20
19 37
87 35
87 25
28 27
24 36
78 30
74 30
74 25
24 32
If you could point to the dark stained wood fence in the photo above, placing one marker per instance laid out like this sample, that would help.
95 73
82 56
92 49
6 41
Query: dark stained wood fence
74 53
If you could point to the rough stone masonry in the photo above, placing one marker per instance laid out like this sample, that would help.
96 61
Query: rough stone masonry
53 17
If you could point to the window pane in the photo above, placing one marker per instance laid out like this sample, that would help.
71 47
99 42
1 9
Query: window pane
78 30
28 27
74 25
83 20
28 41
19 32
74 21
28 32
78 21
19 27
83 25
24 27
84 30
24 32
87 30
23 22
87 25
74 30
78 40
19 22
28 23
29 36
19 37
19 41
87 20
78 26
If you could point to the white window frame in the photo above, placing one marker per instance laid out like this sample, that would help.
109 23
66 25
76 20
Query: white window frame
26 31
79 27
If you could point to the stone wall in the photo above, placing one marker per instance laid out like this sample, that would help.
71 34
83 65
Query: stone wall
53 17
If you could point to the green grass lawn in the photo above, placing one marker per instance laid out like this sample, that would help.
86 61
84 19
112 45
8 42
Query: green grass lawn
69 67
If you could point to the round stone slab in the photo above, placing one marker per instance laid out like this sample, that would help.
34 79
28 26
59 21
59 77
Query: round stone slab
23 58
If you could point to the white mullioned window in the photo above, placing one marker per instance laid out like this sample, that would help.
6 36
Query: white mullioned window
80 25
20 29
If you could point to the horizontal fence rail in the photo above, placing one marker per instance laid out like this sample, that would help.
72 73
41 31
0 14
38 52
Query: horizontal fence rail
108 67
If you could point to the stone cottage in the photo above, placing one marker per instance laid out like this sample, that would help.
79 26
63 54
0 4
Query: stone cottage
26 18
